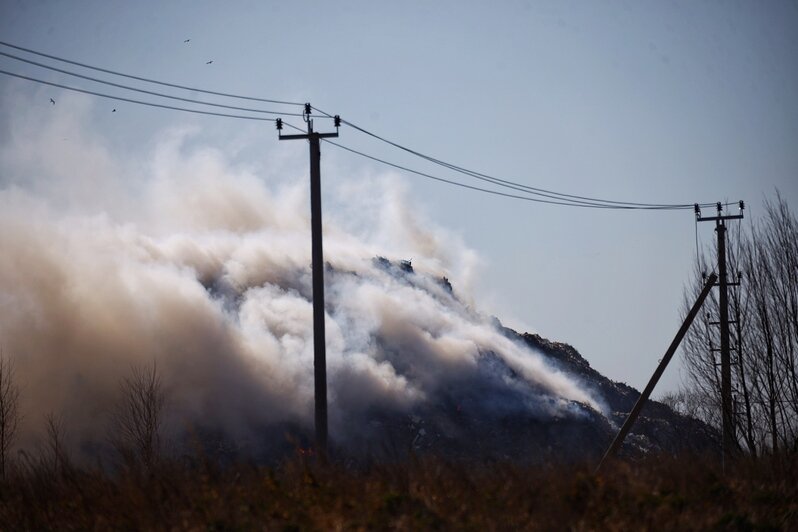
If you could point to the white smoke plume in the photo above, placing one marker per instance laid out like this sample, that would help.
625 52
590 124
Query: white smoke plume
205 267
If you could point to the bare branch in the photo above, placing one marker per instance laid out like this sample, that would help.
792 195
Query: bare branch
9 410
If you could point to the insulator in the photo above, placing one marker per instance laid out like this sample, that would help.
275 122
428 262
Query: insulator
742 205
720 207
337 120
279 123
307 109
697 209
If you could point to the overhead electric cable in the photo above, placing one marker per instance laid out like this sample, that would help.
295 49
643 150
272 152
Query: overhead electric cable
144 91
147 80
480 189
515 185
559 198
522 187
140 102
498 193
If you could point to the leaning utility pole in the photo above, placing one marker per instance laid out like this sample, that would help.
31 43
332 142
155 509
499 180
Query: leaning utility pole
319 353
729 440
663 363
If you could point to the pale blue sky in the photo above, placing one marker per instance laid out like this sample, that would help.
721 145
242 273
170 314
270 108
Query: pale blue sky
670 102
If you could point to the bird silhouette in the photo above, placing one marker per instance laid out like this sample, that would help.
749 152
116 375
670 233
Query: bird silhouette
52 101
209 62
113 111
187 40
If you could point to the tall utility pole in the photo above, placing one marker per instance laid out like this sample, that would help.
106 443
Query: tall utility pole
319 349
729 440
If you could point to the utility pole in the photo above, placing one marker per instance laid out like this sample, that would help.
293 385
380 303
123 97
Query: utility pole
729 440
663 363
319 348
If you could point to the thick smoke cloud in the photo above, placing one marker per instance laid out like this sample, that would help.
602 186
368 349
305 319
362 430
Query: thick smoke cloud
204 267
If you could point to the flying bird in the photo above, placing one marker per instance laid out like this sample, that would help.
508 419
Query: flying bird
209 62
52 101
113 111
187 40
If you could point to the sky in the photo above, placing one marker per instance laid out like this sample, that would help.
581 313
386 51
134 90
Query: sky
662 102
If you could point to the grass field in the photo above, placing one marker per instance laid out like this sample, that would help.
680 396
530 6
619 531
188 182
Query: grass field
659 493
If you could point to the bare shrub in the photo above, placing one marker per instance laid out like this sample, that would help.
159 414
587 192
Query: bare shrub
138 417
9 411
56 457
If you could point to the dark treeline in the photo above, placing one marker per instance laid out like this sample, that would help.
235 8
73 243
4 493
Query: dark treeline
763 256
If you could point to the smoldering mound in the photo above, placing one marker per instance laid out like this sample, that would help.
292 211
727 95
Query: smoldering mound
207 273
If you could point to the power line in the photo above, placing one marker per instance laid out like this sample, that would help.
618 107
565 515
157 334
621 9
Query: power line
555 198
520 186
496 192
471 187
140 102
147 80
144 91
480 189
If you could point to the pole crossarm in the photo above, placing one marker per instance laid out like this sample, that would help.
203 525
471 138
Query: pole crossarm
720 218
308 136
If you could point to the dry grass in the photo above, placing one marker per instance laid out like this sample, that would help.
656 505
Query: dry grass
662 493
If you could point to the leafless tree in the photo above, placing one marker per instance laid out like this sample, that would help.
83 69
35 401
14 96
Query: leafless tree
9 410
138 416
57 457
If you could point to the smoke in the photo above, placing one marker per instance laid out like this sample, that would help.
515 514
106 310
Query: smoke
202 265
